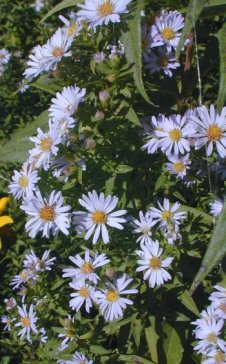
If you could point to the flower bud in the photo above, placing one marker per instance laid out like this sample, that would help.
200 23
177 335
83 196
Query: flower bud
104 97
99 115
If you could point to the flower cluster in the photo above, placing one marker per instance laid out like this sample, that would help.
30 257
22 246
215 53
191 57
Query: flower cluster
160 42
24 316
176 135
209 329
86 284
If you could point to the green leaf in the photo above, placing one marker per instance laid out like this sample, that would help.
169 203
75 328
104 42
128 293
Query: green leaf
97 349
193 11
123 168
62 5
132 43
15 150
132 116
221 35
197 213
50 85
189 303
136 329
172 345
216 250
152 339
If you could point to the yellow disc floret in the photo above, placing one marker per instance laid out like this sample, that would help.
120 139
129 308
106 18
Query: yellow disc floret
99 217
168 33
105 8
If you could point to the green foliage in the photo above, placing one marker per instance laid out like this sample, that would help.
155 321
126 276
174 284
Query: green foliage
156 328
222 50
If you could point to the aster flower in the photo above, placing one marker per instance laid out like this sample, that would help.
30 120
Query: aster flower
45 146
161 60
4 56
216 207
56 48
99 12
110 302
28 321
66 103
166 214
86 267
215 357
7 321
153 141
26 276
210 130
47 214
69 335
33 263
152 265
174 136
84 294
143 227
98 216
77 358
72 25
165 31
61 167
178 165
10 303
207 332
37 63
24 181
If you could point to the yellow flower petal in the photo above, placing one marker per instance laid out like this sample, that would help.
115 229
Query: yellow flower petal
3 203
5 220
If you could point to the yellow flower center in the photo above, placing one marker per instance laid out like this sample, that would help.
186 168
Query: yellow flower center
46 144
58 52
219 357
155 263
167 215
84 292
223 306
99 217
41 263
2 56
162 62
87 268
25 321
105 9
112 296
24 274
47 213
72 29
179 166
175 135
212 337
214 132
82 362
23 181
168 33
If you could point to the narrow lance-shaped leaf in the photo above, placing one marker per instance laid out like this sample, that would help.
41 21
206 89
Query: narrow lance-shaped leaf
222 52
215 250
132 43
193 11
62 5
